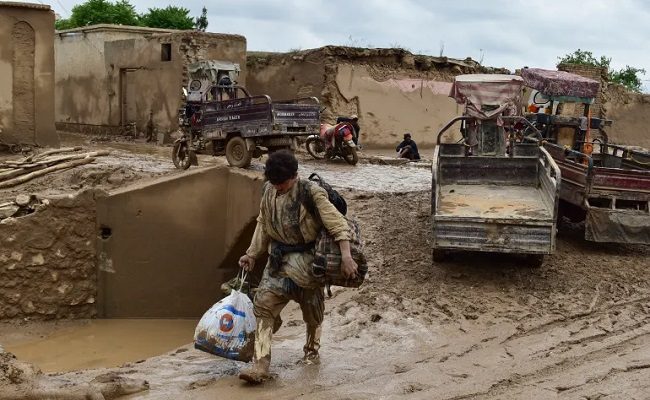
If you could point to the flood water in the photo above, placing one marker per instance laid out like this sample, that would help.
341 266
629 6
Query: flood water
95 343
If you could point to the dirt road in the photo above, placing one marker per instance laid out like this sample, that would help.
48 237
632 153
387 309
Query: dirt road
475 327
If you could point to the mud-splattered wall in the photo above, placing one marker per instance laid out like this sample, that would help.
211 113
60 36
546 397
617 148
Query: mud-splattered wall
131 75
163 245
47 260
392 90
27 74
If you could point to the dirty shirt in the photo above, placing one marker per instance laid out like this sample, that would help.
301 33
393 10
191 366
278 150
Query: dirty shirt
281 221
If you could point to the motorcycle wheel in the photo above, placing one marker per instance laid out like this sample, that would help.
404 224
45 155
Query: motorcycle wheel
181 155
350 155
315 147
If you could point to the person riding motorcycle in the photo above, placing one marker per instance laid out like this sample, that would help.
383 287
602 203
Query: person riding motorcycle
354 121
345 130
334 141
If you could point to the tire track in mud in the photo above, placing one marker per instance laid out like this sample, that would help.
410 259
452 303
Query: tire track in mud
560 367
580 289
574 317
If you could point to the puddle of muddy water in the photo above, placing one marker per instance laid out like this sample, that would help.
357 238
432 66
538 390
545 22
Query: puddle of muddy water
97 343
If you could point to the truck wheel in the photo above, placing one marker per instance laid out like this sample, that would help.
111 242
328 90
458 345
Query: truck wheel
315 147
439 255
181 155
237 153
350 156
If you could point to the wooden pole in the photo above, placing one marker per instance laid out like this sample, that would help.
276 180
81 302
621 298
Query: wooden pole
19 171
52 160
54 151
44 171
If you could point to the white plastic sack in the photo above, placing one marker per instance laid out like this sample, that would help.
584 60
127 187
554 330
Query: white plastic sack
227 329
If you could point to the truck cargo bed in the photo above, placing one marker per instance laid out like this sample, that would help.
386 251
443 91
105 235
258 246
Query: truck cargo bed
494 202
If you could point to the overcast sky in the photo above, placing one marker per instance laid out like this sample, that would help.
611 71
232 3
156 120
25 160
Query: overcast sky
502 33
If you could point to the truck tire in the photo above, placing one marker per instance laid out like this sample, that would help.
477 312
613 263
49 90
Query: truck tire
439 255
535 260
181 155
237 153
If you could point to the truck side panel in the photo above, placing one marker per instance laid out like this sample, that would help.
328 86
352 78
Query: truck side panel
505 237
295 117
247 116
257 116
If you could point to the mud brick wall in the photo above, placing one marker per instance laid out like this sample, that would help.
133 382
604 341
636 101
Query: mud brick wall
630 113
47 260
598 108
391 90
27 74
104 93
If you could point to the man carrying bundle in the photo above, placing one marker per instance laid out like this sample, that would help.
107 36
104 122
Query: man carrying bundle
287 230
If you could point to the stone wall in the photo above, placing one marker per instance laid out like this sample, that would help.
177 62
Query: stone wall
27 75
160 248
47 260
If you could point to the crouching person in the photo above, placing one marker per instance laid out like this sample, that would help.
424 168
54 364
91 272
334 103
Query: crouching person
288 231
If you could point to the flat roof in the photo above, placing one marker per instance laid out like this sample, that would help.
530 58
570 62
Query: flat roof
24 5
145 31
119 28
488 78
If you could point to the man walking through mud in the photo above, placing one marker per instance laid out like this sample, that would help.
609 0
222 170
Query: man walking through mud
288 230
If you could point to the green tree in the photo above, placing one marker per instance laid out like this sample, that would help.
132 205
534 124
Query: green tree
99 12
201 23
628 76
170 17
584 57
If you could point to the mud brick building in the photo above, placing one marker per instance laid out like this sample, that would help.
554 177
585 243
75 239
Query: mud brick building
599 74
114 79
27 74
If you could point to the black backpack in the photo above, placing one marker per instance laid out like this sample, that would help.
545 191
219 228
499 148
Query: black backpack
334 197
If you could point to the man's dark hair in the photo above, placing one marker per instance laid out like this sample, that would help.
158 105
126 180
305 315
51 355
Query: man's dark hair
407 135
280 167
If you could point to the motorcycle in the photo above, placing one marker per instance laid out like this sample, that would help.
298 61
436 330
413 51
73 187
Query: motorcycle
334 141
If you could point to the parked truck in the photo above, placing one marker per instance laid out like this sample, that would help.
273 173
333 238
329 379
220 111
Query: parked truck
492 191
603 184
225 116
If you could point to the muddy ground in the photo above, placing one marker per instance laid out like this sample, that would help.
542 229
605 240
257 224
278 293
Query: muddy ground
474 327
127 162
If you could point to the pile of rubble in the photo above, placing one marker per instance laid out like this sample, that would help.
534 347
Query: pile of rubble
22 205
